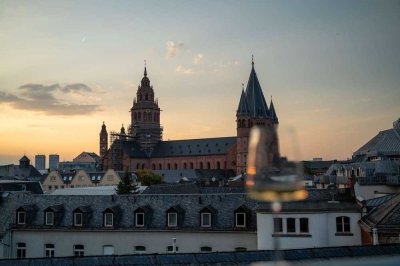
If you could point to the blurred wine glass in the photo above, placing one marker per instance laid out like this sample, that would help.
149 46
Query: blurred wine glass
271 177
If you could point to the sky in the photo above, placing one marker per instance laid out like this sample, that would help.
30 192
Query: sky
331 67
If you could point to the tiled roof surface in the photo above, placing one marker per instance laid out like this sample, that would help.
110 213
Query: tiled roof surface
190 189
255 97
387 142
379 254
385 216
193 147
12 185
378 201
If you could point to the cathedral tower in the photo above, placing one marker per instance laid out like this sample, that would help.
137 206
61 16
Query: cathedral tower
145 117
252 110
103 140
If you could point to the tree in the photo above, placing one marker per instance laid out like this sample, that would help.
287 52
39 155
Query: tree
148 178
126 185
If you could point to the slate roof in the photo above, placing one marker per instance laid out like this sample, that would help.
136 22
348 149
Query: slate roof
13 185
387 142
272 113
378 201
255 97
243 108
355 255
131 148
191 189
194 147
385 217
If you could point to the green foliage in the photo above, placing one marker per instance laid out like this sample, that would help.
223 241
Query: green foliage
126 186
148 178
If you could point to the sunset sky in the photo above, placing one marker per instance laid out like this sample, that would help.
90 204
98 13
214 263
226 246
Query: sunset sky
332 68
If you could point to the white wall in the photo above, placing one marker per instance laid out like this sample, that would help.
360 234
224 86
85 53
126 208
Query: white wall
124 242
322 231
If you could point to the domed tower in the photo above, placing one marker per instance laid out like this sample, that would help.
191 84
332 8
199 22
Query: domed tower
103 140
145 116
252 110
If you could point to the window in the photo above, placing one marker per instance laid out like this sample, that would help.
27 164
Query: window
49 250
205 249
108 250
21 250
21 217
108 219
172 219
170 249
139 219
291 225
78 219
140 249
205 219
304 225
240 219
278 225
79 250
49 218
343 224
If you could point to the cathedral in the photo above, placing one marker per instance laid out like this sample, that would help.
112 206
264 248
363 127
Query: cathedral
141 145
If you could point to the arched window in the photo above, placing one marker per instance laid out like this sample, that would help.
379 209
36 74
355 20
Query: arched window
138 166
169 166
208 165
143 166
243 123
153 166
144 116
201 165
175 166
159 166
135 116
139 116
146 97
150 116
218 165
191 166
155 117
184 165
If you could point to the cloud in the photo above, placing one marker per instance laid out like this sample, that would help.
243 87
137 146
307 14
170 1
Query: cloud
173 48
183 70
41 98
198 59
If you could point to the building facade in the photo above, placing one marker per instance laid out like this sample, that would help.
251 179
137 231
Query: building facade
40 162
54 159
142 146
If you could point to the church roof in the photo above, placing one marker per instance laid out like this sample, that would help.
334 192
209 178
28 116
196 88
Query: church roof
193 147
387 142
243 108
255 97
272 113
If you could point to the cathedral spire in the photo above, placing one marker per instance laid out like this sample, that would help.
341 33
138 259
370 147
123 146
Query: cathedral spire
252 61
272 112
145 70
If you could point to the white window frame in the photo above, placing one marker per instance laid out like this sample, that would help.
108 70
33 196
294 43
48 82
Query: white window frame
49 251
295 225
48 215
170 249
75 219
281 225
21 250
23 213
169 219
79 252
342 225
203 215
137 220
308 225
236 219
105 219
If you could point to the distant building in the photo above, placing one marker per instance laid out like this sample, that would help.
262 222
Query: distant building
87 157
54 159
141 145
40 162
23 171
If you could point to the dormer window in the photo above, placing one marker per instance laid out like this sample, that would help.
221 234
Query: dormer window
139 219
240 219
205 219
21 217
172 219
49 218
78 219
108 219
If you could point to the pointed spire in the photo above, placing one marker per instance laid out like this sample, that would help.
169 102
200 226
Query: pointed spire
272 113
255 98
243 108
145 70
